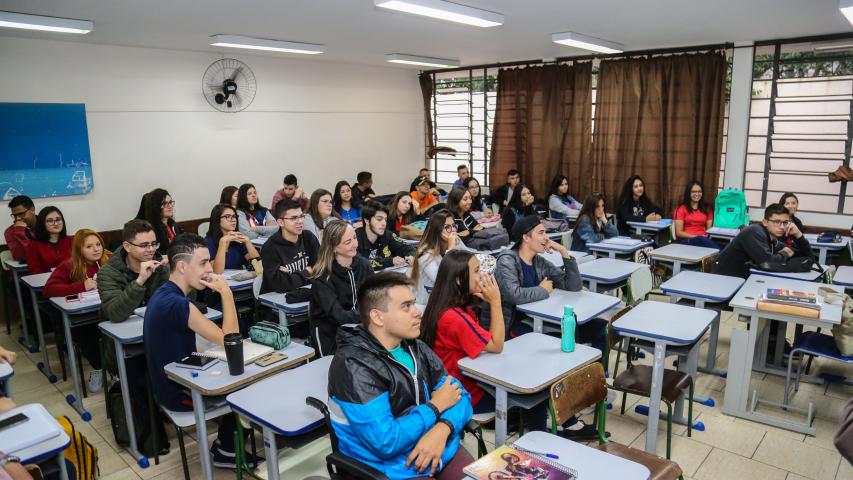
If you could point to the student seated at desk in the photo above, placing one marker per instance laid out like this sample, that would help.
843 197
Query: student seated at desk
635 205
433 189
592 225
253 220
519 205
228 248
499 198
362 191
51 245
693 217
158 208
459 204
378 245
479 202
290 190
171 324
20 233
229 196
400 212
463 173
422 198
289 255
334 282
439 237
320 212
560 203
76 275
792 203
394 407
344 205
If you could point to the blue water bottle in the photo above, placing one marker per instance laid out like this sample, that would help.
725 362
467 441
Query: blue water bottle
567 326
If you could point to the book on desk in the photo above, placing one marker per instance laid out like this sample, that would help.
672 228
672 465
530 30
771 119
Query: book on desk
511 463
790 302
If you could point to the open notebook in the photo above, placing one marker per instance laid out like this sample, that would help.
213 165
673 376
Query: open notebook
251 352
622 241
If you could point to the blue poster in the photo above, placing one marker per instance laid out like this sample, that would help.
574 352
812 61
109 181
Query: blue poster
44 150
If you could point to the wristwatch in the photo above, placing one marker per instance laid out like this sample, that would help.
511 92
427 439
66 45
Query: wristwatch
9 458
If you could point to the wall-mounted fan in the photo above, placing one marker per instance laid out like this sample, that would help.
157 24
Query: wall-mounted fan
229 85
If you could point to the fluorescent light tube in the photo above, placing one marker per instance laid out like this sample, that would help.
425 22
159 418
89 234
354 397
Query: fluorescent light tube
442 10
238 41
585 42
46 24
422 61
846 7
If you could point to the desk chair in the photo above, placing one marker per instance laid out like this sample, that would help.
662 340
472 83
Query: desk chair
203 228
813 344
185 420
585 387
6 255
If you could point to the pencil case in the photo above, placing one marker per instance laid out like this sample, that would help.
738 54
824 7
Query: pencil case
270 334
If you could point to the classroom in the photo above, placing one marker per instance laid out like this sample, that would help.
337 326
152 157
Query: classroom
439 239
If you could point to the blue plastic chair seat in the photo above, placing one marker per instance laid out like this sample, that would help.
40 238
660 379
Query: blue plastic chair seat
819 344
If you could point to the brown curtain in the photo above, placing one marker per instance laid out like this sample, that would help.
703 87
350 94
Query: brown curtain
543 126
661 118
425 80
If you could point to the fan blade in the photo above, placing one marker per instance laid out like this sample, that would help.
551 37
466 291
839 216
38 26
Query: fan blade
236 72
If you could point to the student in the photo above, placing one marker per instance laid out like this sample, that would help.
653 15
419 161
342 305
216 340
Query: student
400 212
463 173
560 203
289 255
362 191
228 248
377 244
592 225
762 242
133 273
229 196
423 199
21 232
51 244
635 205
160 213
791 202
291 191
335 279
439 237
459 204
76 275
320 212
693 217
433 189
253 220
344 204
478 201
500 197
519 205
170 327
397 409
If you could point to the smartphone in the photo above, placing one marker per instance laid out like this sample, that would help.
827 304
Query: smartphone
196 362
269 359
72 298
12 421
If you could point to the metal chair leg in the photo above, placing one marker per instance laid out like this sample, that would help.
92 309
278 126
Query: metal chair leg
183 448
624 399
668 431
690 390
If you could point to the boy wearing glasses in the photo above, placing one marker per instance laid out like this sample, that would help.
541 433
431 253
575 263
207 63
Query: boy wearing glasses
19 234
761 242
290 253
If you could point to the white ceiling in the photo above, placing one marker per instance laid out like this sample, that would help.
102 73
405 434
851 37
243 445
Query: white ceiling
354 31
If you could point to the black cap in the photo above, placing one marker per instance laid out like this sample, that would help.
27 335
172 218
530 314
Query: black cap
421 180
522 226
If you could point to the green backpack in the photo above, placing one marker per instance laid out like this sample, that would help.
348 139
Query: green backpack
730 209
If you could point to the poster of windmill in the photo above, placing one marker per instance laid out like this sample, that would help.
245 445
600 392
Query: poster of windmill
44 150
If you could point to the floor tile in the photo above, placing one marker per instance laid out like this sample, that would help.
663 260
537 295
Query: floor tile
798 457
721 464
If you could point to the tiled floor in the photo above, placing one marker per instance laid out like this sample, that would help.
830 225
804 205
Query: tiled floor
729 448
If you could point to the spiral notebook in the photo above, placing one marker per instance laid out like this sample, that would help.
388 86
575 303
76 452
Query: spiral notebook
508 462
251 352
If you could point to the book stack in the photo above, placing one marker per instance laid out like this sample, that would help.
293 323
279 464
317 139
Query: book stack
789 302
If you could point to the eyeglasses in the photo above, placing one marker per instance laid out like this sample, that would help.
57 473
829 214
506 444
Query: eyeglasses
16 216
294 218
146 246
170 203
780 223
54 221
450 228
229 217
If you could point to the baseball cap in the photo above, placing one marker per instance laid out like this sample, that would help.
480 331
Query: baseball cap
523 226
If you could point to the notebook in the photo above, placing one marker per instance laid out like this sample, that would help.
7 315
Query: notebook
626 241
251 352
511 463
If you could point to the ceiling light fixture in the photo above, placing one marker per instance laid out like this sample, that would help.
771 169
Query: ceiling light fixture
46 24
442 10
422 61
586 42
238 41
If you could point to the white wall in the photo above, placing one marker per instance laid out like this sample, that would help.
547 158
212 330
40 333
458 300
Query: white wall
150 126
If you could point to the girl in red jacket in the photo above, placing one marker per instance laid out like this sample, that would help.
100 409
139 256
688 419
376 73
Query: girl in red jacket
51 245
76 275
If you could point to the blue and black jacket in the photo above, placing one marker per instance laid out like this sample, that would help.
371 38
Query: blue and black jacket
378 406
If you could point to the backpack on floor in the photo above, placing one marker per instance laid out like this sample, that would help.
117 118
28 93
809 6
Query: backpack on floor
730 209
141 421
80 454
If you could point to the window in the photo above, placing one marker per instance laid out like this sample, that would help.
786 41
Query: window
799 125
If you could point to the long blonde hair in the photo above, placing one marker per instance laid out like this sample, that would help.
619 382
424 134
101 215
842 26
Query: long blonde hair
332 236
432 241
78 261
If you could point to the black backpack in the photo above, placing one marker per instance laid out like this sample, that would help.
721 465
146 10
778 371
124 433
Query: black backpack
791 265
141 422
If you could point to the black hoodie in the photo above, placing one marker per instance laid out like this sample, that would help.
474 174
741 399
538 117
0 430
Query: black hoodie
334 302
278 253
382 252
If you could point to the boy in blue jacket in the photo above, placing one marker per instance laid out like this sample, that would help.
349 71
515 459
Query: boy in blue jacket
393 405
